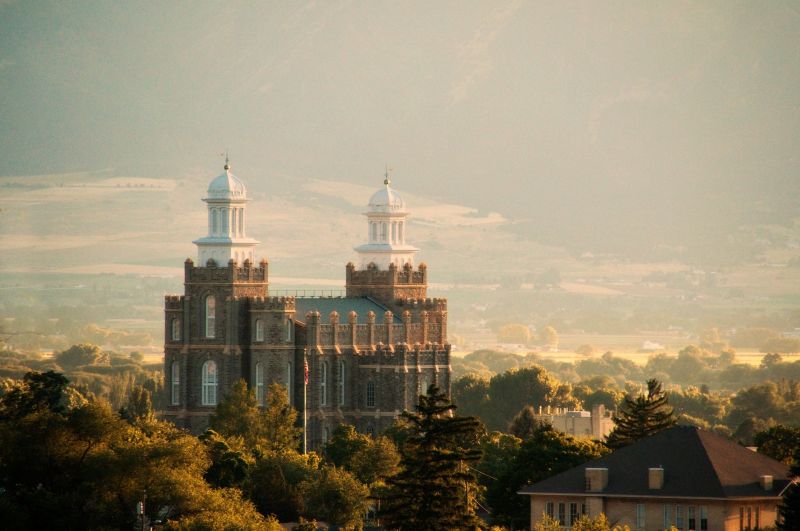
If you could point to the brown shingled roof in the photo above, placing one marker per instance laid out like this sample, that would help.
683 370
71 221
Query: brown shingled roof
697 464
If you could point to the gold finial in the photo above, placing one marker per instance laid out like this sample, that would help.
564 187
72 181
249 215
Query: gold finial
386 179
227 161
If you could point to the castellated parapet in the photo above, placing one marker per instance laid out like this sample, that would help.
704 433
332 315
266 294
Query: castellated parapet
389 285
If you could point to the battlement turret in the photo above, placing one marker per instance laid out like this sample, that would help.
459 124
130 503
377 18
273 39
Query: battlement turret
247 280
389 285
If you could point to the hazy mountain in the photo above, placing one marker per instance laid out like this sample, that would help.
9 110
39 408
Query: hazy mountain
665 131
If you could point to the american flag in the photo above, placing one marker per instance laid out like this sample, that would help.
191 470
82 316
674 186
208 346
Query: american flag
305 370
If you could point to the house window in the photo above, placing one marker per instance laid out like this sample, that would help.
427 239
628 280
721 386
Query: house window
370 394
176 383
562 513
211 315
667 516
341 383
209 394
289 382
690 515
679 517
640 517
323 384
176 329
758 518
573 513
259 330
549 509
260 383
703 518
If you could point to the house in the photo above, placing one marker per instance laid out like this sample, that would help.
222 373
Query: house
685 477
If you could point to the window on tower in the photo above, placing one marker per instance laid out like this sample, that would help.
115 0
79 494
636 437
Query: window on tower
260 383
370 394
214 222
176 329
176 383
211 316
323 384
373 232
259 330
289 382
209 384
384 231
341 383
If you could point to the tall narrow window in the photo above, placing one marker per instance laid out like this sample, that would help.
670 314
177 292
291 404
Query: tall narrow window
573 513
260 383
176 329
211 316
259 330
679 517
400 236
176 383
214 222
384 231
209 394
241 222
394 232
323 383
373 234
692 520
325 434
290 383
562 514
667 516
703 518
370 394
289 329
640 517
549 509
341 383
225 214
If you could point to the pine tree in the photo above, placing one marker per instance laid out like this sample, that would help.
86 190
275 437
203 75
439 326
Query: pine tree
642 416
436 488
789 509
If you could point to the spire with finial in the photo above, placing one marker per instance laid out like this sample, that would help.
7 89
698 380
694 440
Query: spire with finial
386 179
227 161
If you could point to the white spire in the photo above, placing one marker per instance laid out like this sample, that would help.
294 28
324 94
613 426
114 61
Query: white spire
386 230
226 239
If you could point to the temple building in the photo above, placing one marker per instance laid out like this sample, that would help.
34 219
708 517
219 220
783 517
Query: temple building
369 353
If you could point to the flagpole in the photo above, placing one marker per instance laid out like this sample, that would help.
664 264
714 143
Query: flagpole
305 401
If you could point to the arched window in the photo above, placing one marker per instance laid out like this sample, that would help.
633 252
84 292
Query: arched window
325 434
323 383
373 234
209 394
260 383
211 316
370 394
176 383
384 231
289 329
370 430
176 329
341 383
400 236
423 385
290 382
225 214
214 222
259 330
394 232
241 222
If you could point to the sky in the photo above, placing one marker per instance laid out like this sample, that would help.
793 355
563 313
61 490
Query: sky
608 126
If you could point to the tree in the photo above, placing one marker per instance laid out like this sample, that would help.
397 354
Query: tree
544 453
436 488
549 336
779 442
337 497
344 444
514 333
139 407
237 414
275 479
278 421
525 423
83 354
230 461
376 461
642 416
789 509
585 350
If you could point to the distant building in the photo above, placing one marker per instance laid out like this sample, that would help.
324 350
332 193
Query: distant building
369 354
594 424
685 477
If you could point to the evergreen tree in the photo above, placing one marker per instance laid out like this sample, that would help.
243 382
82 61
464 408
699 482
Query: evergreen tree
789 509
642 416
436 489
278 421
